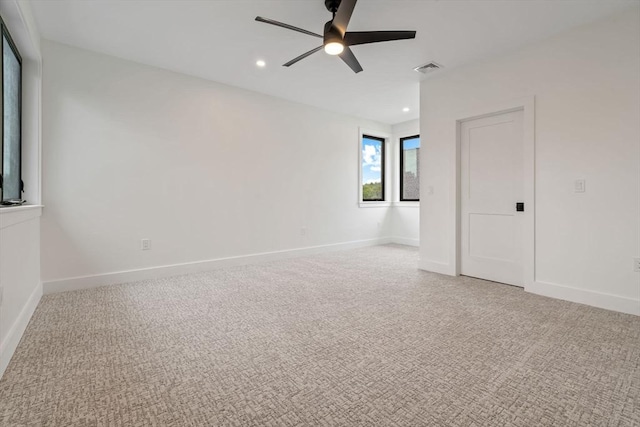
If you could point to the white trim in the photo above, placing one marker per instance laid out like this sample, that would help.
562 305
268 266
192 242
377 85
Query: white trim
94 281
26 37
527 105
14 335
401 130
406 204
13 215
386 190
375 204
389 204
436 267
582 296
405 241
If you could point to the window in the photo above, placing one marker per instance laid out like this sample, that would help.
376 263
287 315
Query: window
410 169
372 169
10 149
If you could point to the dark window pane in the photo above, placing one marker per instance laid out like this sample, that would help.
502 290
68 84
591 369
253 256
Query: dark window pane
410 168
11 122
372 168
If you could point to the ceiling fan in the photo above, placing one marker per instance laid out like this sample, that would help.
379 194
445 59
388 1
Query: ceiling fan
336 38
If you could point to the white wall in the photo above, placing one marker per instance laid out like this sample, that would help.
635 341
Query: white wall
204 170
20 287
586 84
19 275
405 215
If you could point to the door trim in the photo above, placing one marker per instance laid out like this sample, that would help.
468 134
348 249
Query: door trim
527 106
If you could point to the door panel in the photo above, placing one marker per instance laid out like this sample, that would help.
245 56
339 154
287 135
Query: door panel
491 236
491 184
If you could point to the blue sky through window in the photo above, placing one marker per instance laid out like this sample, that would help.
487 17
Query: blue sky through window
409 144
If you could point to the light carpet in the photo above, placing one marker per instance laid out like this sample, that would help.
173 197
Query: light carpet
350 338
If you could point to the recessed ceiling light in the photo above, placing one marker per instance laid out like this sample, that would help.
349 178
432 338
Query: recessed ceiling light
260 63
405 109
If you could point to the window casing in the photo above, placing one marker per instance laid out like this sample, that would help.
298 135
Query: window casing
11 185
373 168
410 169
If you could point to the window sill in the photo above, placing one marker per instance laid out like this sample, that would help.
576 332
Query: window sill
12 215
407 204
389 204
374 204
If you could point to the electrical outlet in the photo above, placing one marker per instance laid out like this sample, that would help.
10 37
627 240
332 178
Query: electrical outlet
580 186
636 265
145 244
303 231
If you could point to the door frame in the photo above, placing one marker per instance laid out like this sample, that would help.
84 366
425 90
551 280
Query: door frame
527 106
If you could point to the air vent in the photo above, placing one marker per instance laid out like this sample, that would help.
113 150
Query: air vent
428 67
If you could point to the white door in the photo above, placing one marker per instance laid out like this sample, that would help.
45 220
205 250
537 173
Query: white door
491 185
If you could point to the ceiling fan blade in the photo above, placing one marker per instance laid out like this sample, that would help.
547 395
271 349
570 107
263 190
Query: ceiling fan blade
287 26
363 37
350 59
301 57
343 15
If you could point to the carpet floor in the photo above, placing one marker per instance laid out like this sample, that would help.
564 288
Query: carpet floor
349 338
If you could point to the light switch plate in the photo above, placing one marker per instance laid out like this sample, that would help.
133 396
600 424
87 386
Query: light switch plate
580 186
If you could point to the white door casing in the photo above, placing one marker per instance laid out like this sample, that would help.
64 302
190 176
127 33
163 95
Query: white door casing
491 183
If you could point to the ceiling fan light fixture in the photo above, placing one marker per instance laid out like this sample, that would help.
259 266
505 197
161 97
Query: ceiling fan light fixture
334 48
336 40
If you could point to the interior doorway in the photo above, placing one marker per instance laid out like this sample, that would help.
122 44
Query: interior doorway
493 197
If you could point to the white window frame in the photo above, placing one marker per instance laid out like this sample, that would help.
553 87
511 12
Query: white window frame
388 177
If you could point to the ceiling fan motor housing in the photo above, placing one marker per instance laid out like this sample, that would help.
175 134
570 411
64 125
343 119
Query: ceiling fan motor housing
332 5
331 34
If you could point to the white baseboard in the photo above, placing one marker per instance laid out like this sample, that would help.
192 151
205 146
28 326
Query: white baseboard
94 281
11 341
436 267
405 241
582 296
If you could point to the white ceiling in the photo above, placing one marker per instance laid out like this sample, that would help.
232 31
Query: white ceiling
219 40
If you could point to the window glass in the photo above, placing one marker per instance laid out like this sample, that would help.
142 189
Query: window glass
372 168
11 86
410 168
